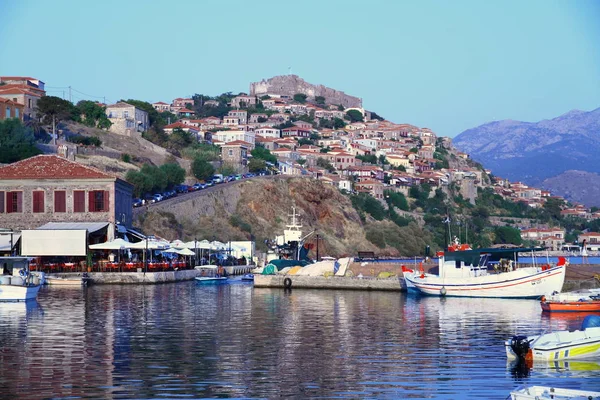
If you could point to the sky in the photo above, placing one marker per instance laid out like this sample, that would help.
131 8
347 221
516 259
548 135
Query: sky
448 66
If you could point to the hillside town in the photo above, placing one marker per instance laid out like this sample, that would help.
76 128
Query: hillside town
311 135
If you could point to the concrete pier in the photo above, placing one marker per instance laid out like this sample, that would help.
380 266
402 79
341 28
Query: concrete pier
140 277
332 283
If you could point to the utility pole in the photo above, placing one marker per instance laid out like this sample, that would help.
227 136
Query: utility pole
54 128
317 247
70 94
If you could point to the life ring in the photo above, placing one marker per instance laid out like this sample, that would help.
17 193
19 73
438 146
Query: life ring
23 273
287 283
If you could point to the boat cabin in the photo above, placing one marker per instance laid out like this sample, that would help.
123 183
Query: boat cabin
12 265
470 263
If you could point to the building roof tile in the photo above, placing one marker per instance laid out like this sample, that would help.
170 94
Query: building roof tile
50 166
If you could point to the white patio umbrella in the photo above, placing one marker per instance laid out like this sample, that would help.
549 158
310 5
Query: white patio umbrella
178 244
150 245
185 252
117 244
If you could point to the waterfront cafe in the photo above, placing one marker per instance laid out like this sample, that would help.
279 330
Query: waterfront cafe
85 247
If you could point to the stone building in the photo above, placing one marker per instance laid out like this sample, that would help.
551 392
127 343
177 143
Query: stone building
127 119
23 90
236 153
10 109
49 188
286 86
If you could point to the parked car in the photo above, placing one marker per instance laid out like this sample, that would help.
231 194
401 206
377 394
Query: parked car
149 199
158 197
198 186
137 202
182 188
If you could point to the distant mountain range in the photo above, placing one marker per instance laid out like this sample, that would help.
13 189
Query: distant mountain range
540 153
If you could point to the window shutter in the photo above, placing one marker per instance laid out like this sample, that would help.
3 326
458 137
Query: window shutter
106 200
91 202
2 208
19 202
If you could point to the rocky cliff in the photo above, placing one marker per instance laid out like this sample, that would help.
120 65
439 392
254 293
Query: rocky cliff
289 85
260 207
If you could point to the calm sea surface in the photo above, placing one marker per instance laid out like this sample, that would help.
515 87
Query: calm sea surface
185 340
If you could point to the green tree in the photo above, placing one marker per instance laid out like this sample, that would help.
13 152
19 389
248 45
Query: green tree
256 165
93 114
396 199
16 141
325 163
320 100
507 235
142 183
202 169
263 154
180 139
354 116
338 123
300 98
265 97
175 175
53 110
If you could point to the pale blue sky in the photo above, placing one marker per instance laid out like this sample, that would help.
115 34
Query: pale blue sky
444 65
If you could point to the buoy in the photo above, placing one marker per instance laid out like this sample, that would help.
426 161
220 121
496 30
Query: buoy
443 291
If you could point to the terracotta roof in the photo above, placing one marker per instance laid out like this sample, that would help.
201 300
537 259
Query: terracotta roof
50 166
15 90
181 126
185 110
8 101
161 102
120 104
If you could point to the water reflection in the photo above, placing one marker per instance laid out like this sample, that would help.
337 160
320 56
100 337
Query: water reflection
237 341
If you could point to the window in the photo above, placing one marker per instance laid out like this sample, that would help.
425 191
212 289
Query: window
14 202
78 201
7 115
98 201
230 152
60 201
125 114
38 201
1 202
16 112
29 102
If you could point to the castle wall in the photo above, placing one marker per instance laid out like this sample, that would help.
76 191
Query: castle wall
289 85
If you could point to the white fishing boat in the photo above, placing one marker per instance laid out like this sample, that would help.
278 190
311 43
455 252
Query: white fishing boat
547 392
64 281
211 279
559 345
494 272
16 281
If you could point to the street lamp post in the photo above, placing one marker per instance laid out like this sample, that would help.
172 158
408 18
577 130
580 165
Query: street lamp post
146 257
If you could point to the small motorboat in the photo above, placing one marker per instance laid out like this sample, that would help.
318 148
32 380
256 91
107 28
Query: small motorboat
547 392
17 283
248 277
211 279
560 345
581 301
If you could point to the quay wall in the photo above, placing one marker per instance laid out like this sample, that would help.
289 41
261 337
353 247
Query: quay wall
140 277
333 283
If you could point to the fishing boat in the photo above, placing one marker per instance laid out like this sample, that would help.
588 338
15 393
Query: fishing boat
492 272
64 281
211 279
248 277
559 345
16 282
580 301
547 392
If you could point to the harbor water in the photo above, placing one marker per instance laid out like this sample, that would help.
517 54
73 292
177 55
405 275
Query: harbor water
184 340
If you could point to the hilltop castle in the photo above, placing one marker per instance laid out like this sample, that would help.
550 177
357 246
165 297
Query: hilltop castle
289 85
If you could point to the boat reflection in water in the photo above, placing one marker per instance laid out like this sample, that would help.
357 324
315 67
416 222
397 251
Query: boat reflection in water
522 369
14 314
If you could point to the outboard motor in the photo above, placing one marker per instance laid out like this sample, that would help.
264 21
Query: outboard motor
520 345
